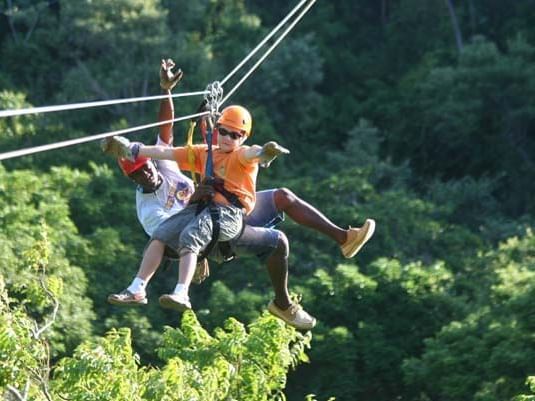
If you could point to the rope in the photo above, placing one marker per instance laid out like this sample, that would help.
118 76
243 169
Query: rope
218 89
57 145
74 106
273 46
251 54
191 155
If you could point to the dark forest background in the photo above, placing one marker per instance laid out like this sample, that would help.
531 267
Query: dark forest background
417 113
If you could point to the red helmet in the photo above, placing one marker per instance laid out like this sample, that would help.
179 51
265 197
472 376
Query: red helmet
129 167
236 117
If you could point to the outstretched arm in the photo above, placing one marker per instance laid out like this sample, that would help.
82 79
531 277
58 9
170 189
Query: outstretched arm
264 154
156 152
121 147
168 80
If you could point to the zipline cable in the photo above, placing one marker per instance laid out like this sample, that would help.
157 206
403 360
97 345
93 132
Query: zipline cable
273 31
74 106
57 145
272 47
63 144
85 105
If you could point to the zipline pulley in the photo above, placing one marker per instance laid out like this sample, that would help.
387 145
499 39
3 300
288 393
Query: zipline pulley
213 97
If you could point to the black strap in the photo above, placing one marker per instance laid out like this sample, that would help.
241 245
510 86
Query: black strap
226 250
216 227
224 246
219 186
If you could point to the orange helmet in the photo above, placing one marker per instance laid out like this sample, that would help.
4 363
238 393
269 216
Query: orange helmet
129 167
236 117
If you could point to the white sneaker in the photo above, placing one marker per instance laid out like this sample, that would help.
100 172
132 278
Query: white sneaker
295 316
179 302
126 297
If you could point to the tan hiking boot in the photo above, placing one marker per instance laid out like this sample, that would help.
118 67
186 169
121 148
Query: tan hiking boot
357 237
295 316
178 302
127 298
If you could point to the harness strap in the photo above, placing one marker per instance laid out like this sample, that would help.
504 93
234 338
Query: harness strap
190 152
219 186
224 246
215 215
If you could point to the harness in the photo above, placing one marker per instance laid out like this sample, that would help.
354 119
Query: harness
213 99
215 214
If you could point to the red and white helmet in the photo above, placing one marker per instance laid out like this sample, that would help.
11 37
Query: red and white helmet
129 167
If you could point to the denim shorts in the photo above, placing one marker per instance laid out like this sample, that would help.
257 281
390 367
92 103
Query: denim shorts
254 241
186 230
264 214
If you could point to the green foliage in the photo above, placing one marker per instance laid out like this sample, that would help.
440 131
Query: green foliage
25 326
104 369
15 126
385 118
232 364
486 355
31 208
480 103
530 381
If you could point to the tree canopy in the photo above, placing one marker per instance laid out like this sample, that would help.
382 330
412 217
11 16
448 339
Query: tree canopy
416 113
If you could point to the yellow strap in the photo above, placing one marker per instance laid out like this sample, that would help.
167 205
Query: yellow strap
191 153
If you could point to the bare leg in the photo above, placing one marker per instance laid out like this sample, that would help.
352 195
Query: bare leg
151 260
135 293
179 299
277 265
282 306
305 214
186 268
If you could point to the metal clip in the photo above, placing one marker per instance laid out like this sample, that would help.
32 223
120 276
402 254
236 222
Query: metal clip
214 97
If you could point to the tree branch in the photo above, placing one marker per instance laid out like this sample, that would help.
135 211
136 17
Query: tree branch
455 25
10 21
35 21
50 322
15 392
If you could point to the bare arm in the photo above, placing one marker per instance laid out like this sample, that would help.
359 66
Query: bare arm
157 152
168 81
253 154
167 112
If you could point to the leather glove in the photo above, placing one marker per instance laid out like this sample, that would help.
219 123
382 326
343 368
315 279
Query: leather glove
270 151
168 79
120 147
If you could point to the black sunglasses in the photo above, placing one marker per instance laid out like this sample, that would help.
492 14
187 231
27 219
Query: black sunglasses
226 132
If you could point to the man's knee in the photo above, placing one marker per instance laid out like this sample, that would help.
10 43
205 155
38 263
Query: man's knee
283 246
284 198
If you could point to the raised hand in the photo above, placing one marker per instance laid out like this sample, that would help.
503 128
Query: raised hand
168 79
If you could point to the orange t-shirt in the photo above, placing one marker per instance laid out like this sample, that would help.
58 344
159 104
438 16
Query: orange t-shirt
238 173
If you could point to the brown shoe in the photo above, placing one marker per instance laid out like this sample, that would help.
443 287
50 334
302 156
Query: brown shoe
127 298
357 237
178 302
295 316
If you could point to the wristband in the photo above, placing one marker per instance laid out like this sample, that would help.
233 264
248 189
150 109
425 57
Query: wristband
135 150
